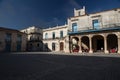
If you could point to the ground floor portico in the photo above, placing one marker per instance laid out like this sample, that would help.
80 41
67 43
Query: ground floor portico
107 42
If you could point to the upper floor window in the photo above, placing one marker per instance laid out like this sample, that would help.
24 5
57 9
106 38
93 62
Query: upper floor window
79 13
46 35
8 37
74 27
96 24
61 34
31 38
53 35
19 38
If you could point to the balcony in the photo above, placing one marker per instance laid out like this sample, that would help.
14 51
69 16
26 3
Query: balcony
91 29
34 31
56 38
35 40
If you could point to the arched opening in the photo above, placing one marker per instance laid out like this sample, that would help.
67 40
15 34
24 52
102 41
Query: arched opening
46 35
112 43
98 43
53 46
75 46
61 46
85 44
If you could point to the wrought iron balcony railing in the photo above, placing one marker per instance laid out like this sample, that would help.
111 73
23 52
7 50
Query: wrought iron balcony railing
56 38
92 28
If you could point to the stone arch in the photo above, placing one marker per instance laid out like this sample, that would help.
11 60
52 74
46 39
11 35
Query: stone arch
75 46
98 43
75 40
85 43
112 43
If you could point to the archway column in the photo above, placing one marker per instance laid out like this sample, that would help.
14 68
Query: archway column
90 44
80 45
105 45
70 44
119 44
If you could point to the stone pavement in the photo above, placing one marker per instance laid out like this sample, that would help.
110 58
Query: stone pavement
99 54
59 66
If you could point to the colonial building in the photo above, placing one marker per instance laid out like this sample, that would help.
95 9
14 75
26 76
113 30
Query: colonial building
34 38
96 32
12 40
56 39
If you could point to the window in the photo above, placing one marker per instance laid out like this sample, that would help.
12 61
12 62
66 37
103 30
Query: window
31 38
53 46
53 35
38 45
8 37
79 13
46 35
74 27
61 34
96 24
19 42
19 38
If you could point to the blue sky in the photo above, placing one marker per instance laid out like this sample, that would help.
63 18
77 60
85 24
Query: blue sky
20 14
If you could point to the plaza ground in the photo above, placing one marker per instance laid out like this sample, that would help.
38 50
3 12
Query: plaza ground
59 66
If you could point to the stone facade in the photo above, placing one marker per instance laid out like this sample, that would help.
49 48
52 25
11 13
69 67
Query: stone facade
56 39
34 38
96 32
12 40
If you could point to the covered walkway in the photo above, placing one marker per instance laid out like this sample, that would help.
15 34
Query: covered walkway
107 41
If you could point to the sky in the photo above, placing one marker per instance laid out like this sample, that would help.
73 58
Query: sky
20 14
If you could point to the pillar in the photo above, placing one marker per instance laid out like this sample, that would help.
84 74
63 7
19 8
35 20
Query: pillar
105 45
80 45
70 44
90 44
119 44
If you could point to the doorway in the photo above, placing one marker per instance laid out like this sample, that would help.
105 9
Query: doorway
61 46
98 43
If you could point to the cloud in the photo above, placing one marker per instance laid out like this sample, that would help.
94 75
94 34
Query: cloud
68 8
54 22
75 4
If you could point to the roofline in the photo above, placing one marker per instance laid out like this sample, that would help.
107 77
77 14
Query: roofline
114 9
8 29
54 28
30 27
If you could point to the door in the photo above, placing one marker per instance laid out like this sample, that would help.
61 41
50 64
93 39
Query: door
61 46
